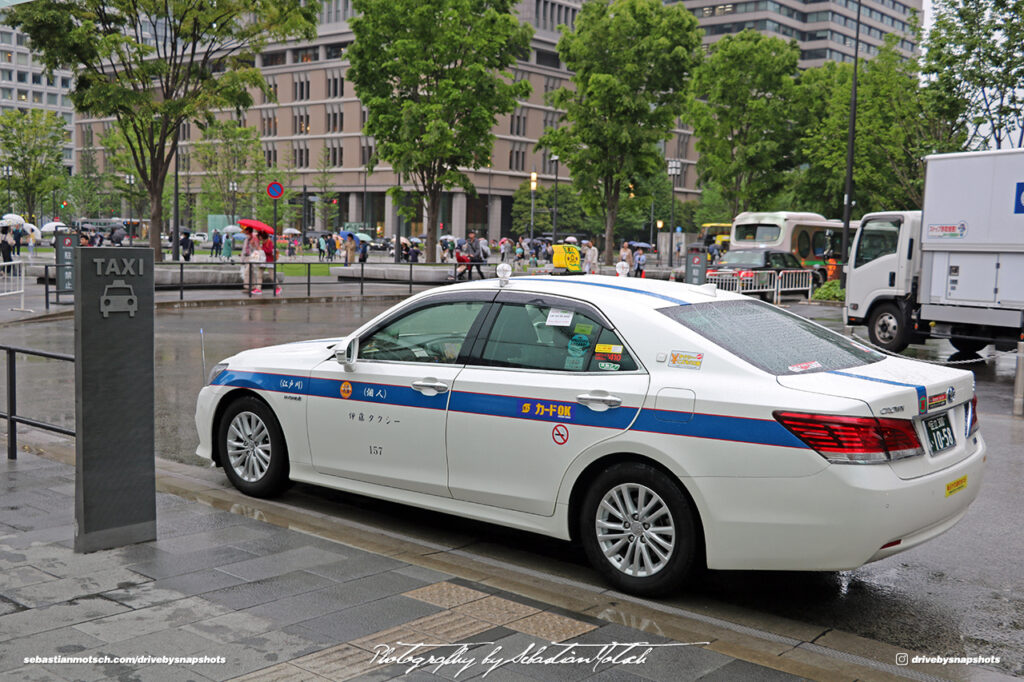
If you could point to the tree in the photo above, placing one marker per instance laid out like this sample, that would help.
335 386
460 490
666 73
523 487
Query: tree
322 181
741 115
899 122
155 64
432 78
631 62
86 191
975 52
228 153
32 144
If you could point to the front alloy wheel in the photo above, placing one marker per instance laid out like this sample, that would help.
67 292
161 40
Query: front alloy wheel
252 448
638 529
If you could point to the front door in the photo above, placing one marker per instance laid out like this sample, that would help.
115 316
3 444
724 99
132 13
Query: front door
383 422
548 379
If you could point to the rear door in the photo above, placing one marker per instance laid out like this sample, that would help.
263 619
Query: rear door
548 378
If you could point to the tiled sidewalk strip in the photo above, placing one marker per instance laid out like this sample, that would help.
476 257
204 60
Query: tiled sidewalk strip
276 604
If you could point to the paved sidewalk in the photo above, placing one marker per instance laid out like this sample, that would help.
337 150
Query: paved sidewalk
254 601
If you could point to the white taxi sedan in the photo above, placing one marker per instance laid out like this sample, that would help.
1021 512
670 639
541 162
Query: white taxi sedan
658 423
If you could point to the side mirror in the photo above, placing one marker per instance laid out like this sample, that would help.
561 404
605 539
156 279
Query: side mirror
347 353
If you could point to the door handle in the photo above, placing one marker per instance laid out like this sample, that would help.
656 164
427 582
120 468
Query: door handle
430 386
599 401
892 279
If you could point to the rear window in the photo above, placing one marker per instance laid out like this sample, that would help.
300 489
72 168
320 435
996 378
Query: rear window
773 340
755 258
758 233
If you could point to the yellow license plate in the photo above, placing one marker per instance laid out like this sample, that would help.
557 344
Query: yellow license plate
956 486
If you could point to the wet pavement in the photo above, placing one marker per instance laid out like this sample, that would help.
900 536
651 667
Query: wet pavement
962 594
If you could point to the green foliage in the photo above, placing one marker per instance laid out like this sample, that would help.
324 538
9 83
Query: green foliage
974 55
87 190
572 219
322 182
897 126
154 64
432 76
228 152
742 117
631 62
32 144
713 207
829 291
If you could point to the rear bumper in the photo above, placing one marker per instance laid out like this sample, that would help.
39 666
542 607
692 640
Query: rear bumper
838 519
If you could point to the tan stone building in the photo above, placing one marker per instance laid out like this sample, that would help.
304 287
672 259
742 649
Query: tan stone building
317 107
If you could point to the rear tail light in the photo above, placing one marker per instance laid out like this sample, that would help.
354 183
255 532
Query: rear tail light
746 274
972 420
853 440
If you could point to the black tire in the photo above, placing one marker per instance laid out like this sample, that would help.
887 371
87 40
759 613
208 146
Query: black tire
636 571
252 448
818 278
968 345
888 328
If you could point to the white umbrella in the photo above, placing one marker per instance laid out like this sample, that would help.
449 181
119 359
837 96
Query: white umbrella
32 229
51 227
232 229
291 230
446 238
571 239
14 218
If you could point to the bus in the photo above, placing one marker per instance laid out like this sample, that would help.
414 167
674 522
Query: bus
811 237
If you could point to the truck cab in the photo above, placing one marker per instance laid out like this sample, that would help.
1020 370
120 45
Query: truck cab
881 277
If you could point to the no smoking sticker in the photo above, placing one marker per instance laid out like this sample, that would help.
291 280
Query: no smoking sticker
560 434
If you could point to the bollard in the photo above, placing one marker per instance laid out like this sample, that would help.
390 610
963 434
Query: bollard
1018 383
847 330
362 276
410 277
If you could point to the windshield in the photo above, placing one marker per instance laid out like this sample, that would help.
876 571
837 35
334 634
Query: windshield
760 232
753 258
771 339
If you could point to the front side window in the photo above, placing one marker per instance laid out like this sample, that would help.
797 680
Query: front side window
772 340
764 233
542 337
432 335
877 238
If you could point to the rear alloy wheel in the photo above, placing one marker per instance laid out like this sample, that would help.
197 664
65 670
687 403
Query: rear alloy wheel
638 529
252 448
887 328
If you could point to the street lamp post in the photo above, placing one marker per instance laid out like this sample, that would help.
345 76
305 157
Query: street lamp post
674 167
533 197
130 181
233 186
851 134
651 230
554 206
661 224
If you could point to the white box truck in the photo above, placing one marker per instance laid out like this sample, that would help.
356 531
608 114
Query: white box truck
955 270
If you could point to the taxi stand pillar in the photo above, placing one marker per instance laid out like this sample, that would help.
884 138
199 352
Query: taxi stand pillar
115 477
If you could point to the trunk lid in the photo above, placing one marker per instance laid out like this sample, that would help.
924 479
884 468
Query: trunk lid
935 398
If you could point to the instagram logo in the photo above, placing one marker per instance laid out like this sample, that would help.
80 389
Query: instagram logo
902 659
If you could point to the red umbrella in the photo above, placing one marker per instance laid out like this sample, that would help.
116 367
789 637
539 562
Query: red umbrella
256 225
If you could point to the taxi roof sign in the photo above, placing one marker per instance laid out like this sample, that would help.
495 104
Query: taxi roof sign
566 260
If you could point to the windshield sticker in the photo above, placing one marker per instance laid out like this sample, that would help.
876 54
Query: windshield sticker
581 328
559 318
578 345
574 363
804 366
609 357
685 359
608 366
607 348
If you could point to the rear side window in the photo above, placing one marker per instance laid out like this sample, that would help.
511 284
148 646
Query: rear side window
531 336
770 339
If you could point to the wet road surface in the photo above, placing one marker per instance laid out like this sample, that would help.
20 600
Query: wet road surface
962 594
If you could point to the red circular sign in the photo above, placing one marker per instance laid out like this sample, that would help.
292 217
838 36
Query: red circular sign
696 260
560 434
275 190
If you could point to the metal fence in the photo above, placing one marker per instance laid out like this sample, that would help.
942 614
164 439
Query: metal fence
12 416
767 283
12 282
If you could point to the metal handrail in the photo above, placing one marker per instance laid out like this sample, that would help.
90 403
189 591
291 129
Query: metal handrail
12 417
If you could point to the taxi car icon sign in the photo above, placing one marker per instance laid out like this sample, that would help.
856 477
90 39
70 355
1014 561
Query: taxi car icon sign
119 297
